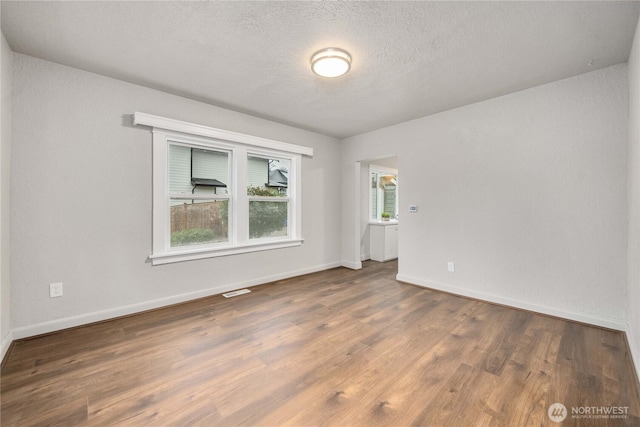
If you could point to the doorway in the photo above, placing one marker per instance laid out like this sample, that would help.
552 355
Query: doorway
378 214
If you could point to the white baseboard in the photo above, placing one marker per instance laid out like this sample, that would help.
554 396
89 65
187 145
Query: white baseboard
591 319
352 265
6 342
365 257
83 319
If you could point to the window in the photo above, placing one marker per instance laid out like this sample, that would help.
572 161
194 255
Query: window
221 193
198 195
268 197
383 193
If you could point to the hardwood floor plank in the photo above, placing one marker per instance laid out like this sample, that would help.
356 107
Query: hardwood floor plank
456 402
505 340
522 397
335 348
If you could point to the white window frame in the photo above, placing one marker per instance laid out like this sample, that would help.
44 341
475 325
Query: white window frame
240 147
384 171
190 142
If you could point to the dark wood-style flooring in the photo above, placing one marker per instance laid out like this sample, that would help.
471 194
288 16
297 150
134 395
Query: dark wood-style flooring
336 348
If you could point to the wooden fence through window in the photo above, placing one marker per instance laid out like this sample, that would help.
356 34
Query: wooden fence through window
206 215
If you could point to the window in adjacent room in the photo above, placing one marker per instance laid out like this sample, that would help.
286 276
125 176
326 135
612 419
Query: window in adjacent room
383 193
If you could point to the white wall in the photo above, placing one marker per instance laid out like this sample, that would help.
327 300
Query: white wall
81 201
526 193
5 157
633 331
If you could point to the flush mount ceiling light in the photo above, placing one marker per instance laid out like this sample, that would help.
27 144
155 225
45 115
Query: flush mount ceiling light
331 62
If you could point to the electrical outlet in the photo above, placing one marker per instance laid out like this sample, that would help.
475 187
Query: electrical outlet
413 208
451 267
55 290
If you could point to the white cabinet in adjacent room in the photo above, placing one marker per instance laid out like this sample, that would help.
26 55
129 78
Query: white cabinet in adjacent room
383 241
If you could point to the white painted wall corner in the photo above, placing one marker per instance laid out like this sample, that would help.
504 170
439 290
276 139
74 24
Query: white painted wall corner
6 343
634 348
591 319
352 265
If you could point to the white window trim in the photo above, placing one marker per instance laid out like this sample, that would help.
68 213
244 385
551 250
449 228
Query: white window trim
158 122
381 170
165 130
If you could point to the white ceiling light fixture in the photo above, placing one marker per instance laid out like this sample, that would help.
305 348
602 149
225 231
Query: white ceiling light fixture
331 62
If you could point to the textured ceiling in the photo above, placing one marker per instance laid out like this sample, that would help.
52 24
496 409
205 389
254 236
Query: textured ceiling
410 59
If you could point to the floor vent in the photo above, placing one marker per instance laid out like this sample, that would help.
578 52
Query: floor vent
236 293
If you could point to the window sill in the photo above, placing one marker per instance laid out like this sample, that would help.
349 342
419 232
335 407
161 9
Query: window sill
189 255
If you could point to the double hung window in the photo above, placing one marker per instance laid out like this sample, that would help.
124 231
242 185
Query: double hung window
221 193
198 195
269 201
